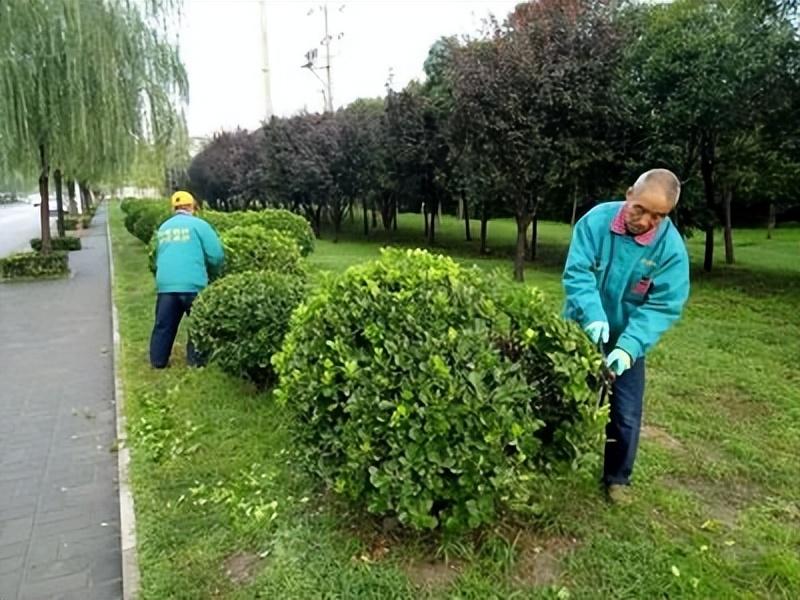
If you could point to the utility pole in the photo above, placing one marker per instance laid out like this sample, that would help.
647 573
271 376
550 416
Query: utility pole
265 64
311 59
328 58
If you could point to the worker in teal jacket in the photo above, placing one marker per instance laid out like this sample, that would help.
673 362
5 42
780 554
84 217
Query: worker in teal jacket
188 252
626 281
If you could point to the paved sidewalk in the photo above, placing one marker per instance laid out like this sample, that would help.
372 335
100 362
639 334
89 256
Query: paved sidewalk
59 506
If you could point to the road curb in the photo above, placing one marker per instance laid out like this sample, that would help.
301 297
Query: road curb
130 561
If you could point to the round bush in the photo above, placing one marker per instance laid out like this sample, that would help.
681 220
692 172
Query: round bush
240 320
253 248
289 223
143 217
427 390
126 204
271 219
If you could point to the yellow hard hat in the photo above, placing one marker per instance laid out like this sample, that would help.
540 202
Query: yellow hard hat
181 198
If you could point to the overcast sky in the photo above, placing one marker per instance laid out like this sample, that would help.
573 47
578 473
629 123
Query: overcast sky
220 44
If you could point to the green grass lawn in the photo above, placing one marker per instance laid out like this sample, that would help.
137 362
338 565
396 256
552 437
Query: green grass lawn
223 511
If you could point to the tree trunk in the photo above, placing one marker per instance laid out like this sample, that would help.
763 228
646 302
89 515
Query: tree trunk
707 170
395 213
432 227
727 198
89 197
519 256
574 206
84 189
44 198
59 202
708 261
484 227
465 206
385 211
318 222
534 237
527 246
337 216
73 206
772 219
366 218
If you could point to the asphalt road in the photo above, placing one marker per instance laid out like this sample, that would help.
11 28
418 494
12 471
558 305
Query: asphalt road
18 224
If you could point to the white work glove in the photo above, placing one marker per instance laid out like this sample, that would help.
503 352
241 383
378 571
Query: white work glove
597 331
618 361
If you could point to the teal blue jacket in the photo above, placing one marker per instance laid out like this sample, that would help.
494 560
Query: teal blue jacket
188 252
638 285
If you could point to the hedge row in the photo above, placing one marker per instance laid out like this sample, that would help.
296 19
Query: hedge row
239 320
68 243
142 217
271 219
33 265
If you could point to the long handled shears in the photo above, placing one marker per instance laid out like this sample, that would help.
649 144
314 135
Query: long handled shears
606 378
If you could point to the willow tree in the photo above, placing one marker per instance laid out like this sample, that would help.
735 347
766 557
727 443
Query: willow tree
84 85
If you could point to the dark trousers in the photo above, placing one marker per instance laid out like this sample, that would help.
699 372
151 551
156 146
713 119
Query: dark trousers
170 309
622 430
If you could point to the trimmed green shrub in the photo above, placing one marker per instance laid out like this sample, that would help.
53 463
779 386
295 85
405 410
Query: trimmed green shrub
240 320
86 221
562 369
68 243
128 203
222 221
288 222
71 223
152 254
32 265
143 217
272 219
428 390
253 248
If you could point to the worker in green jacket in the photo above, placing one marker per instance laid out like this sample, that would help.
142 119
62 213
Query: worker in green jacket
626 281
189 251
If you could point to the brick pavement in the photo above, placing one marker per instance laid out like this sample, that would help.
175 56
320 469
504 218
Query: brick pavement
59 506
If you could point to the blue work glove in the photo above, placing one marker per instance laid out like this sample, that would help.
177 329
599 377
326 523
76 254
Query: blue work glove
597 331
618 361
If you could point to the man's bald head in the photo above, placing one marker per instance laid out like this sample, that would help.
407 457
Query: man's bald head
662 180
650 200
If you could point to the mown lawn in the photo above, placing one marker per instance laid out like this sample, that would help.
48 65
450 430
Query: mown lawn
223 511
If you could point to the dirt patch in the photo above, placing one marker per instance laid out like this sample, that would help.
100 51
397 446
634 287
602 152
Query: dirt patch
378 548
242 567
738 406
660 436
432 575
539 559
722 501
